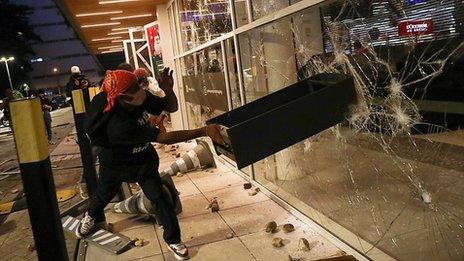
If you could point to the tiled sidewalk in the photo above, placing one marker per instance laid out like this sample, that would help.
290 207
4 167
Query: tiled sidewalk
236 232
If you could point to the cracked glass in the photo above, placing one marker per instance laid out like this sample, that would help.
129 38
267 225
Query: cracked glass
204 85
389 180
203 21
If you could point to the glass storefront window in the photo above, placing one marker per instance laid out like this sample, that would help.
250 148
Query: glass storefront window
204 85
389 180
202 21
261 8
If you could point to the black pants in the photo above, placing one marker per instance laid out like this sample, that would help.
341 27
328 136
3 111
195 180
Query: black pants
48 124
110 180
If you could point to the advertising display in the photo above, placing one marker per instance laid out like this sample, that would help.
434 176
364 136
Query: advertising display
152 34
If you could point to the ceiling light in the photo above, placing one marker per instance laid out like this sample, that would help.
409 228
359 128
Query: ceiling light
115 33
99 13
131 16
118 41
120 29
116 1
98 25
113 51
109 47
106 39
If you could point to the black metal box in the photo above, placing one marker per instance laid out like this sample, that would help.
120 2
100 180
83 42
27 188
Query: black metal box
283 118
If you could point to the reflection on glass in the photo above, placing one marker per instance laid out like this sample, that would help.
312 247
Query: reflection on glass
233 74
202 21
392 175
241 12
204 85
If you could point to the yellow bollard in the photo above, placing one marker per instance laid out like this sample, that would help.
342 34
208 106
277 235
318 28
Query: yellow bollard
29 133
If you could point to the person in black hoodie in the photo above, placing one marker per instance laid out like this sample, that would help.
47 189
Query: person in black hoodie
117 120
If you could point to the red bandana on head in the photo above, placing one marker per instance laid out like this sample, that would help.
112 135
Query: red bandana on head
115 83
141 72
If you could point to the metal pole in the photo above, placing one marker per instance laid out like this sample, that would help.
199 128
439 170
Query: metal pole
9 76
36 173
81 100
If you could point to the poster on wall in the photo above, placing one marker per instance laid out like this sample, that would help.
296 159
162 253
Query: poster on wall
152 34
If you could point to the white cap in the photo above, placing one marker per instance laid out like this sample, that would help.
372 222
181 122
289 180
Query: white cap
75 69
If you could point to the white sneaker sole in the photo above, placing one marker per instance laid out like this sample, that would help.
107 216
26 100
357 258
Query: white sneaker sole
177 256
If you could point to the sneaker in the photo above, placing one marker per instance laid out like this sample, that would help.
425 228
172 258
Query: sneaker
86 227
180 251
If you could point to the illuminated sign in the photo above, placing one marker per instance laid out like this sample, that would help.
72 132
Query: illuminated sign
415 27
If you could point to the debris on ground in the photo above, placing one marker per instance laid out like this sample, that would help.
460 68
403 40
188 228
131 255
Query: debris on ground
271 227
133 240
14 191
277 242
178 155
180 174
214 205
287 228
31 248
253 191
230 235
139 243
303 245
247 185
290 258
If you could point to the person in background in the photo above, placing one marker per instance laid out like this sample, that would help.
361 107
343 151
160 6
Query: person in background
117 120
6 101
46 109
76 81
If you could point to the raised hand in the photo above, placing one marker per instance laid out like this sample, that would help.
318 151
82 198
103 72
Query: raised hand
165 81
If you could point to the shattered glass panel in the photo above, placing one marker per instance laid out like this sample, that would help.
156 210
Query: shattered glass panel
390 179
241 12
262 8
204 85
202 21
233 73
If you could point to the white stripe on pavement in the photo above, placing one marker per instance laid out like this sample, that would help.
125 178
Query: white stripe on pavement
67 221
102 237
110 240
98 233
74 225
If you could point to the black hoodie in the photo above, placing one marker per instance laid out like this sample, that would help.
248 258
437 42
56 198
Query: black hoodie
124 135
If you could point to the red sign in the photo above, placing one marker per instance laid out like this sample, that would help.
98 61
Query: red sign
415 27
154 41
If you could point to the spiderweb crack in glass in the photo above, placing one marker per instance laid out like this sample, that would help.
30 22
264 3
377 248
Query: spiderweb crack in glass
393 173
